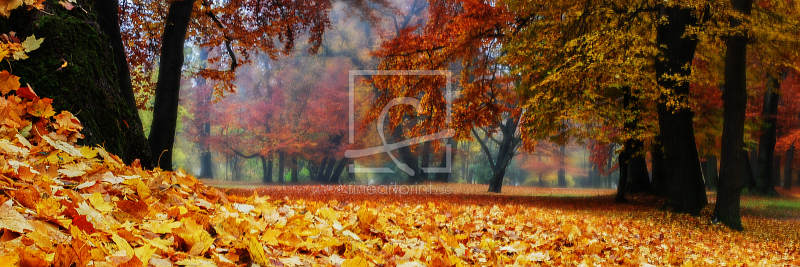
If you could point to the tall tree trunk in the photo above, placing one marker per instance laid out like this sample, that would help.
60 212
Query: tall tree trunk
638 177
753 161
165 107
766 143
562 172
108 19
712 176
735 104
281 177
686 188
623 176
704 167
89 87
320 177
425 160
464 158
506 150
351 175
776 177
748 176
205 92
659 185
206 163
266 169
407 157
787 170
236 171
295 169
337 171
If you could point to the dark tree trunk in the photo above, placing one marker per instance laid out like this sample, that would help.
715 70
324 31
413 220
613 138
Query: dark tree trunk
623 176
281 157
506 149
687 192
562 173
704 167
350 174
753 161
766 143
108 19
320 177
787 170
748 178
638 177
776 178
236 172
295 169
735 104
88 87
424 161
712 176
659 184
337 171
266 170
407 157
206 164
165 107
270 163
609 164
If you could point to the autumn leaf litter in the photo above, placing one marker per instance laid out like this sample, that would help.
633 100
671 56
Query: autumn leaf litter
64 204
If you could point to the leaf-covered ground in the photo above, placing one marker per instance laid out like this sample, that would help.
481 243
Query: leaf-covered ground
66 205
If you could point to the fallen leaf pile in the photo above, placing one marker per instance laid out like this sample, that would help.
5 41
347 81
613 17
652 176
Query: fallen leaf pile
67 205
11 48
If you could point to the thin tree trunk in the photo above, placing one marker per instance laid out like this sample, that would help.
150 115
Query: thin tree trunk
776 178
753 161
562 173
320 177
425 161
337 171
712 176
108 19
206 163
623 176
766 143
748 177
281 157
295 169
659 175
687 193
735 104
787 170
165 107
266 170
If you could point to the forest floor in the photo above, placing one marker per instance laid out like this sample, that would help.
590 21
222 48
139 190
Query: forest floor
771 236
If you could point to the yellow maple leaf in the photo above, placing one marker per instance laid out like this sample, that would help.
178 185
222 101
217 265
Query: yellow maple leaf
31 43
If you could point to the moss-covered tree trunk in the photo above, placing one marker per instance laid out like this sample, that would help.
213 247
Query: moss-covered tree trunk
88 86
